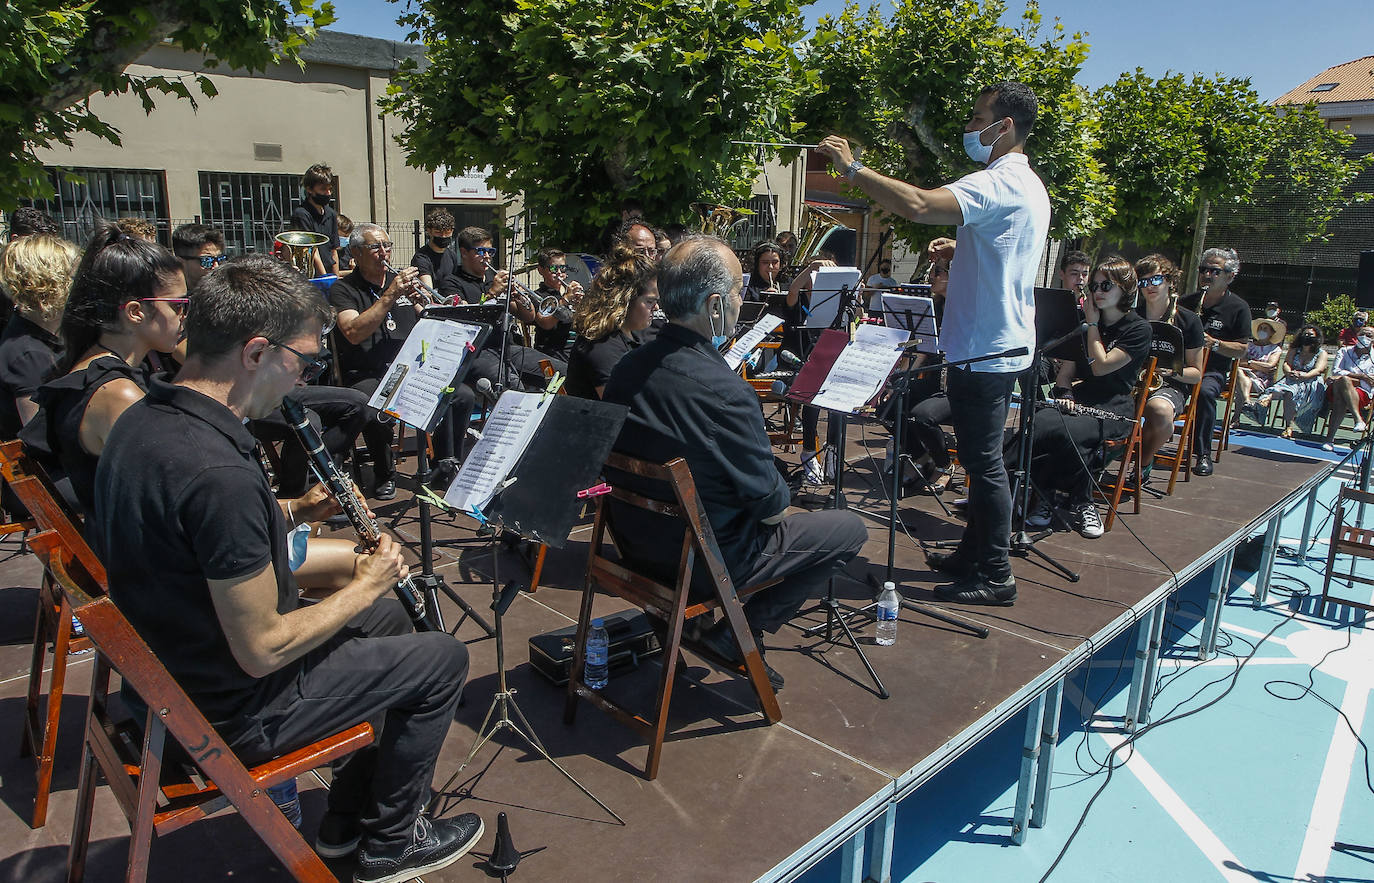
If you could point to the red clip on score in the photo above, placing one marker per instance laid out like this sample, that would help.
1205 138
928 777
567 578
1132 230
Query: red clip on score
596 491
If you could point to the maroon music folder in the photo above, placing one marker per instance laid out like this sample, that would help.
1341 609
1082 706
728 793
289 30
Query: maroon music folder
812 376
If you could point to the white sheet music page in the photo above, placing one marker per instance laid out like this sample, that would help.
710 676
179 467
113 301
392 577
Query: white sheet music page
862 368
428 361
765 326
504 439
906 310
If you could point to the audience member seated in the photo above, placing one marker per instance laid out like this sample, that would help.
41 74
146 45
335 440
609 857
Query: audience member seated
553 335
1359 319
620 305
1352 381
128 298
377 310
1303 385
199 562
37 271
1259 366
686 402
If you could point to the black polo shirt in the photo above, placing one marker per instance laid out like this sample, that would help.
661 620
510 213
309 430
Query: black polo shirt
370 358
1227 319
28 357
592 362
555 341
180 499
1112 391
438 267
305 217
686 402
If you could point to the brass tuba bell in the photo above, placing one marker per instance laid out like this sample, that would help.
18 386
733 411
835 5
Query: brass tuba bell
301 243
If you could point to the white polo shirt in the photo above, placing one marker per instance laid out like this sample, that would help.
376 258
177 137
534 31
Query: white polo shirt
990 304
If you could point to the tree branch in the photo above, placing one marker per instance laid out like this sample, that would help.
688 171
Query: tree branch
107 53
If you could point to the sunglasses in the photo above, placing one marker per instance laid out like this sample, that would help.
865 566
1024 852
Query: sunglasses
1103 287
179 304
312 367
1156 279
1210 271
208 261
485 251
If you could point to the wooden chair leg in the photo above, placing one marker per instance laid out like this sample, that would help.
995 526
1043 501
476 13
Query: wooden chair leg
753 662
57 683
579 661
141 828
36 659
90 777
538 570
672 657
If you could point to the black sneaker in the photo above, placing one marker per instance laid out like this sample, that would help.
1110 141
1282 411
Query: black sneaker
385 490
338 835
434 844
948 562
975 590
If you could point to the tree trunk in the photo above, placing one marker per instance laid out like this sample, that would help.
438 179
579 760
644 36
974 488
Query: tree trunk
1204 207
106 52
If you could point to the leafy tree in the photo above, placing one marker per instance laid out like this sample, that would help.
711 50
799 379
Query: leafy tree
903 87
577 104
1333 315
60 53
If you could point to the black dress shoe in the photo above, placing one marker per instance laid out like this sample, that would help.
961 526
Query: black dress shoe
948 562
976 590
721 641
434 844
1203 466
385 490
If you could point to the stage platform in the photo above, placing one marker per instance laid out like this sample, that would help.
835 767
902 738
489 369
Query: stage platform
735 800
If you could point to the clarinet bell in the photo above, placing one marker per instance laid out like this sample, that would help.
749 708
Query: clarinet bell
504 857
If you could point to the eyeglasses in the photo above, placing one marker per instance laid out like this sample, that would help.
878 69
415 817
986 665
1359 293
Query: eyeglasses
207 261
1103 287
379 247
312 367
485 251
1156 279
1210 271
559 269
179 304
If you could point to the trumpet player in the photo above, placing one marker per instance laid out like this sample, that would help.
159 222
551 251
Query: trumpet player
1158 279
558 300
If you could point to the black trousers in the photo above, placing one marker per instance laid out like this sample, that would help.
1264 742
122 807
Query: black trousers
924 434
521 370
375 670
1208 391
978 409
805 551
1065 448
338 413
447 435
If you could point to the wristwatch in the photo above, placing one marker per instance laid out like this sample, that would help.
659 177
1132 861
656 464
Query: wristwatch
853 169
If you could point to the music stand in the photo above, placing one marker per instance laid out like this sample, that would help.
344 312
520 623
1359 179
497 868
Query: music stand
564 457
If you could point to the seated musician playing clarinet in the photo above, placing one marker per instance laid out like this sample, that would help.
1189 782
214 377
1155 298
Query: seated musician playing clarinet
1103 378
196 551
686 402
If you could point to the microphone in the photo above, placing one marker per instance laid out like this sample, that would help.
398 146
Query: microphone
792 360
780 387
1081 329
486 391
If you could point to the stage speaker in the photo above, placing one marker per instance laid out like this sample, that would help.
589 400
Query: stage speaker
1364 281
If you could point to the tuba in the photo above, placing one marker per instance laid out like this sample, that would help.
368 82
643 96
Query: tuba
301 243
818 226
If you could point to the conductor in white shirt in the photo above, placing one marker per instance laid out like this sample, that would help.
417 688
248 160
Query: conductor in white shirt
1003 215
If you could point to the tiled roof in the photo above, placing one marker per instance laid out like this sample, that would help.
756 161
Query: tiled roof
1353 81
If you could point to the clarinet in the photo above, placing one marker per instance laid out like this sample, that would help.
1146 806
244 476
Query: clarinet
342 489
1087 411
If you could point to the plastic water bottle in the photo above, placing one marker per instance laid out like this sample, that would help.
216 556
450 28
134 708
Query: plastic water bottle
597 670
288 800
889 603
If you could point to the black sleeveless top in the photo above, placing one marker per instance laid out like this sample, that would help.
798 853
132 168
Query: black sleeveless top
54 434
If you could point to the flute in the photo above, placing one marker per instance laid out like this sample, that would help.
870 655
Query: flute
342 489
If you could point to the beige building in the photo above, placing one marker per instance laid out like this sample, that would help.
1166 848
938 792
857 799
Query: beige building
1344 95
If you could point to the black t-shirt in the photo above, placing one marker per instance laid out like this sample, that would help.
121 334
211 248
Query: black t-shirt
1227 319
555 341
303 217
180 499
438 267
371 357
1112 392
795 338
591 362
28 357
1190 327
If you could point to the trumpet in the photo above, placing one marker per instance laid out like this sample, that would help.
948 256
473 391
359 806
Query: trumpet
432 297
528 296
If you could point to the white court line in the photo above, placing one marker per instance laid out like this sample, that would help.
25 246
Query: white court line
1331 788
1228 866
1242 630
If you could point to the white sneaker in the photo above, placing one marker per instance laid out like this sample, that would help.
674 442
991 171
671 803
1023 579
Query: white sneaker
812 471
1041 514
1328 447
1360 425
1088 522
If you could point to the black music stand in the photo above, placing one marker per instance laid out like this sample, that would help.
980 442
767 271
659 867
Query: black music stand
564 457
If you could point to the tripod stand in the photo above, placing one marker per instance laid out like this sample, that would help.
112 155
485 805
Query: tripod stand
503 705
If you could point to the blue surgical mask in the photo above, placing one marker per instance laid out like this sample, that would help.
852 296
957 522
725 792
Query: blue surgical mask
976 149
718 339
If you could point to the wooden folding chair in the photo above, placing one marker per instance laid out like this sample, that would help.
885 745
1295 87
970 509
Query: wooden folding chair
1129 452
159 799
53 620
669 603
1222 433
1348 538
1178 459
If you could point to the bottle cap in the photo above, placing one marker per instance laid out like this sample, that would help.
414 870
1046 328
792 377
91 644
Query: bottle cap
889 587
598 623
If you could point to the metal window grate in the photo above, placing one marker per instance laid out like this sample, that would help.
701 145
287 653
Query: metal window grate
85 195
249 208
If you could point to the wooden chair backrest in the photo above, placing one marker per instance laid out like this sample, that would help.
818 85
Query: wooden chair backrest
33 487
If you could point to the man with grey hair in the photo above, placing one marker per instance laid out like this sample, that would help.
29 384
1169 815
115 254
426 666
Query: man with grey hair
1226 331
686 402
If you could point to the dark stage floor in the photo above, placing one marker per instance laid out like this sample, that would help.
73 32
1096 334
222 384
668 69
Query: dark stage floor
734 798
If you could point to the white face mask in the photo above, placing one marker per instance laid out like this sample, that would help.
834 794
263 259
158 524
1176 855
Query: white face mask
1262 335
1273 314
1363 342
976 149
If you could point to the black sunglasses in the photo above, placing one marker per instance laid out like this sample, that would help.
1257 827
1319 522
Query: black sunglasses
1103 287
1156 279
1210 271
312 367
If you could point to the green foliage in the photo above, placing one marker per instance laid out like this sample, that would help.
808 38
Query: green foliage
59 53
577 104
904 88
1333 315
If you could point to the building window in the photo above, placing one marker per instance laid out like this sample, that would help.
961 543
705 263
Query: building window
86 195
249 208
1324 87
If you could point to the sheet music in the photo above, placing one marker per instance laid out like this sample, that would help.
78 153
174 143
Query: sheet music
766 324
412 388
504 439
861 369
825 303
921 310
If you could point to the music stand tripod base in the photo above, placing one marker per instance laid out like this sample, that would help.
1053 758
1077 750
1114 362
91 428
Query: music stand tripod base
837 614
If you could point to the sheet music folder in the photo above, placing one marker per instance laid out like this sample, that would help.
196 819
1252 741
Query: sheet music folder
564 456
811 377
